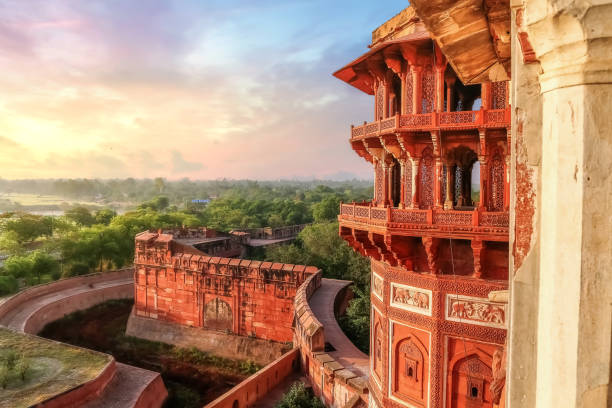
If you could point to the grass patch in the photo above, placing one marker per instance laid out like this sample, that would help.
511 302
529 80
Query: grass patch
34 369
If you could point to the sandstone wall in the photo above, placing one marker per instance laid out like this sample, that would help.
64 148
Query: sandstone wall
85 392
17 300
259 384
337 385
59 308
247 298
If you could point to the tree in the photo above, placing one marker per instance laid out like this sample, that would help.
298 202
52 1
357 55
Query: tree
8 285
327 209
44 264
18 266
29 227
32 266
160 184
81 216
104 216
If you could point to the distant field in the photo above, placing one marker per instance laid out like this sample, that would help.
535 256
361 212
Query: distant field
39 199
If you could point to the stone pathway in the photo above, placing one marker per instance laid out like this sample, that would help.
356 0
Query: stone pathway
322 305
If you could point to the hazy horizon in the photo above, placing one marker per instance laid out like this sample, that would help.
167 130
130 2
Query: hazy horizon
241 90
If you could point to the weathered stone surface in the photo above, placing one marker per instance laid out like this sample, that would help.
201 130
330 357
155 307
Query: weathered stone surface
225 345
474 35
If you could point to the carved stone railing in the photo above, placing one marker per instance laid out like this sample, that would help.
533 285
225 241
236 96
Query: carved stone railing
434 120
459 118
405 217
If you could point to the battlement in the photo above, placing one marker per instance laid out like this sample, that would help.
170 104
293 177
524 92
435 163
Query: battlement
177 282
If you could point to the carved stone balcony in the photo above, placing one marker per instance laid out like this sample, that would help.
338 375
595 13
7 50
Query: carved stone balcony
437 223
497 118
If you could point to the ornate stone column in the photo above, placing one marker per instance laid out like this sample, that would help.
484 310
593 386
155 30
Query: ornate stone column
404 102
402 163
477 250
415 175
485 95
417 85
386 185
450 83
450 183
438 186
440 88
484 172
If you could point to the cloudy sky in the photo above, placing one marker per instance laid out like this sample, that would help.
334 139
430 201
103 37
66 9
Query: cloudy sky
201 89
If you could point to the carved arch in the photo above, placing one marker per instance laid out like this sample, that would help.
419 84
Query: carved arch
411 369
218 315
470 376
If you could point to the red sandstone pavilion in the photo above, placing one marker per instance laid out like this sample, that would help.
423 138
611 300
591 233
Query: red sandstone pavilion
438 250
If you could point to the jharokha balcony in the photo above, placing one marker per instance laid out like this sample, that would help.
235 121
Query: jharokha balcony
440 121
417 238
441 223
439 149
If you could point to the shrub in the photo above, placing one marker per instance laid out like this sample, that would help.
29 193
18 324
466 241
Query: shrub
299 396
4 376
249 367
8 284
76 270
10 359
22 367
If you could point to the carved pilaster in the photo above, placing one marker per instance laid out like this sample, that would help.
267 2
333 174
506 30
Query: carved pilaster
478 248
431 249
450 183
415 173
438 188
417 88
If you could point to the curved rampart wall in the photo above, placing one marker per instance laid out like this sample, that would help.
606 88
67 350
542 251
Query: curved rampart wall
308 331
16 301
338 385
50 312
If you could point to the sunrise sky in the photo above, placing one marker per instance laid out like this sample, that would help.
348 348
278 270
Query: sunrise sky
201 89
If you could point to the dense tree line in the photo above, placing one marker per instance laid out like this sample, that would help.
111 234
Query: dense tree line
178 192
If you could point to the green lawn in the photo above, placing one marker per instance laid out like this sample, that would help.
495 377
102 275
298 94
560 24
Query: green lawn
53 368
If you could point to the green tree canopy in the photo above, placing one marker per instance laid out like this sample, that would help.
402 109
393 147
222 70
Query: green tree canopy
81 216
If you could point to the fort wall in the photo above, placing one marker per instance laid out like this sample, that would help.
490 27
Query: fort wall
50 312
339 386
175 283
16 301
259 384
